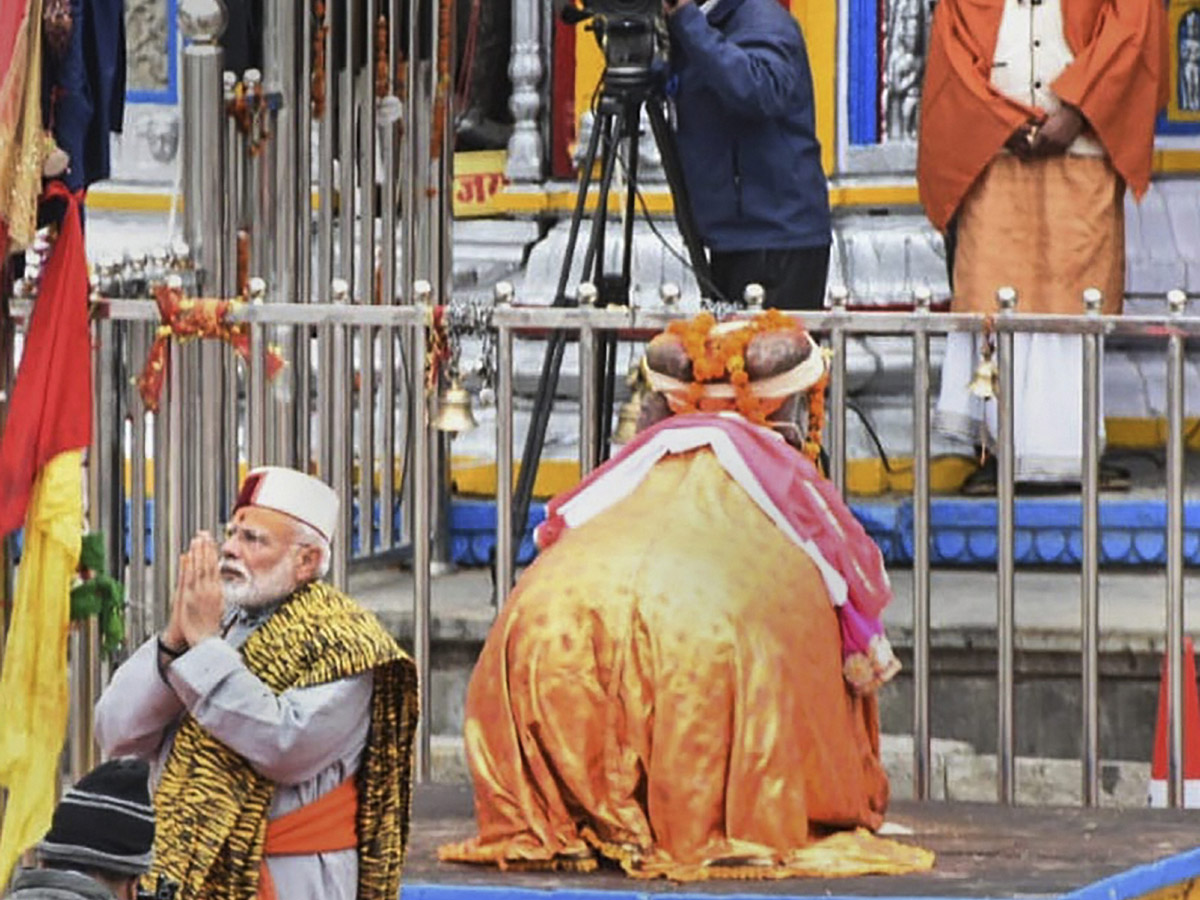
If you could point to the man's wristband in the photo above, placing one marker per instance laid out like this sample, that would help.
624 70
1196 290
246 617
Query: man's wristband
169 652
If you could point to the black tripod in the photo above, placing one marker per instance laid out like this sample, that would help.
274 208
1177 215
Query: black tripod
625 91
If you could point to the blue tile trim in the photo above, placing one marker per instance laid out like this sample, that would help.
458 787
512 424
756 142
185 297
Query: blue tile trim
1167 127
1142 880
862 87
169 95
1048 531
1128 885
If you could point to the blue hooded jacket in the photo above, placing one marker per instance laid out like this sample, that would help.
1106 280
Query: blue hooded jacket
746 127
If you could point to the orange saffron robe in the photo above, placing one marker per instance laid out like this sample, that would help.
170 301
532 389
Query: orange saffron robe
1118 81
663 688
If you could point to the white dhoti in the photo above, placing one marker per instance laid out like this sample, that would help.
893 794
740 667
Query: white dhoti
1049 228
1047 403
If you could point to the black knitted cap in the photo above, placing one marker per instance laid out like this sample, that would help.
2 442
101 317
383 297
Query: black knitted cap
106 821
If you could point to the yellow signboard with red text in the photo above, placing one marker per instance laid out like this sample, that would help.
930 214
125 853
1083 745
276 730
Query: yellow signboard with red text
478 181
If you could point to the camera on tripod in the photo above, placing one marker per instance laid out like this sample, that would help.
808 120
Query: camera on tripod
629 32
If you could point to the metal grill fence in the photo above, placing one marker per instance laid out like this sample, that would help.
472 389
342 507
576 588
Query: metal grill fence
356 403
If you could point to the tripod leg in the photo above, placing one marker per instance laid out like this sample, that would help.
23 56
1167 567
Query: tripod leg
608 372
684 216
543 403
600 129
595 252
634 122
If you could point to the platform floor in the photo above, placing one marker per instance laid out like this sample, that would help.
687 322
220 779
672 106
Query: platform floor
983 851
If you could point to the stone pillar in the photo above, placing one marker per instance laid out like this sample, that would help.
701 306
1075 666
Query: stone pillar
525 150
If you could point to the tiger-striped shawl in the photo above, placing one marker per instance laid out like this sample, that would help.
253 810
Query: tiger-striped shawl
212 806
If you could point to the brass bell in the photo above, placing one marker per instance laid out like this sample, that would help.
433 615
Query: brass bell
454 409
627 420
985 382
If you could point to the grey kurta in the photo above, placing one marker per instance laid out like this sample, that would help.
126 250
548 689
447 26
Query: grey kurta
308 740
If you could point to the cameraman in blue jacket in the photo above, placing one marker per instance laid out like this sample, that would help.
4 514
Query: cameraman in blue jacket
747 140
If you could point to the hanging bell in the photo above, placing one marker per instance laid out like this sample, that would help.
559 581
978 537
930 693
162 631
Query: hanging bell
454 409
986 380
627 420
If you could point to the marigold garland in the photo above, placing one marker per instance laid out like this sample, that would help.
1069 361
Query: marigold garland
715 356
816 418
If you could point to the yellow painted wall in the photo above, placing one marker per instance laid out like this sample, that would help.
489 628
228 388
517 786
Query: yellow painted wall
818 20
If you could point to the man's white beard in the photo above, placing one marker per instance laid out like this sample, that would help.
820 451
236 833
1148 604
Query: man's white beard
254 592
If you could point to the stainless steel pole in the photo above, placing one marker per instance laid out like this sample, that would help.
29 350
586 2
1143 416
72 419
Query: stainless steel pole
387 430
140 619
235 169
327 136
388 133
303 138
282 29
837 391
409 263
212 416
303 401
366 292
99 498
257 406
173 488
504 449
1005 596
326 240
1177 305
587 385
422 559
203 165
366 438
1090 596
163 570
80 758
346 150
438 241
367 114
203 142
257 179
341 437
922 767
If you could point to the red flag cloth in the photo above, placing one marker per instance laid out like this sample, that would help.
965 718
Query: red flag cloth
50 410
1191 734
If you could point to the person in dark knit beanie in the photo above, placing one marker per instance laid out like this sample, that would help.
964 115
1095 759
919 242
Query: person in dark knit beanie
100 839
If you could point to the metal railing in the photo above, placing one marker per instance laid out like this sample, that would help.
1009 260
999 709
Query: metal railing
248 199
336 385
1172 330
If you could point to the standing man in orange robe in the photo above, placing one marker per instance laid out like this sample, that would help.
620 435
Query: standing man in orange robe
1038 114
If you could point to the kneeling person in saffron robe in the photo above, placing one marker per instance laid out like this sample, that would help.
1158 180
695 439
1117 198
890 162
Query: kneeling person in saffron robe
668 686
271 702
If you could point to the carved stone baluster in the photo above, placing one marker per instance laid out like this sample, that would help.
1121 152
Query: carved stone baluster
525 150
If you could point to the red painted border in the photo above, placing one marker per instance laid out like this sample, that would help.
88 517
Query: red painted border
562 98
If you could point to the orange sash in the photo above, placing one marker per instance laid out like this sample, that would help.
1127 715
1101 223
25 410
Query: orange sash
323 826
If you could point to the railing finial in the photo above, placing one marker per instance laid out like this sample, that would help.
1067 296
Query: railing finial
1177 302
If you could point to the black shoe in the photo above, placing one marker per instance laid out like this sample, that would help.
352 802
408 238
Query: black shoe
981 482
1114 478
